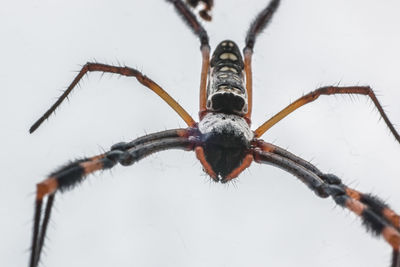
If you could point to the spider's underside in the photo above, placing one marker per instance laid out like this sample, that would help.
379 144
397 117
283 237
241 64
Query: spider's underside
222 139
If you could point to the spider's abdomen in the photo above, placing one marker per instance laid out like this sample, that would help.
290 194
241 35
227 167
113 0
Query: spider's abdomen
226 91
225 141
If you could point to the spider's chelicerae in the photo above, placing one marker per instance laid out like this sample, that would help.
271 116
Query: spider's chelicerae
222 138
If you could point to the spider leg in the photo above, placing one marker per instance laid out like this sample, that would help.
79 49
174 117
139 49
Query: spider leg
309 178
381 209
256 27
190 19
124 71
329 90
375 214
376 204
260 23
61 179
395 258
70 175
204 13
153 137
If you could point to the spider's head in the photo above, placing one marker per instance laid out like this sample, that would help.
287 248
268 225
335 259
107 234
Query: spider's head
225 143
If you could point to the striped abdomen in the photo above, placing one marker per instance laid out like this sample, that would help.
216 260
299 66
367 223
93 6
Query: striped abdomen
226 90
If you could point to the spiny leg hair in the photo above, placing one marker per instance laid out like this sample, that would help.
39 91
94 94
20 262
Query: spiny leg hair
73 173
376 215
124 71
190 19
260 23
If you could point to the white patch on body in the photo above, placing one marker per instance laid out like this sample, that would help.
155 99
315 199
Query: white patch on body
219 121
225 68
228 56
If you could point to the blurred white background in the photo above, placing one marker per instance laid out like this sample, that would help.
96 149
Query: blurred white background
165 211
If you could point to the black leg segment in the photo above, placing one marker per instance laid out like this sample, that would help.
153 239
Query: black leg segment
190 19
73 173
260 23
376 215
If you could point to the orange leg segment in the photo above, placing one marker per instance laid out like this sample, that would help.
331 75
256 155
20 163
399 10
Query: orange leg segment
249 81
375 214
124 71
205 52
386 212
48 188
330 90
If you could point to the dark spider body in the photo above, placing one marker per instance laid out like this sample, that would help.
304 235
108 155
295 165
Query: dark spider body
222 139
226 92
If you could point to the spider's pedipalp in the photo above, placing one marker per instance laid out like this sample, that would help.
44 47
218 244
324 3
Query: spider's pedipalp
260 23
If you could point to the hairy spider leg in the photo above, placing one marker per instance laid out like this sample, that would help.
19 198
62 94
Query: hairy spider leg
374 205
63 178
39 233
190 20
326 185
395 258
205 12
256 27
328 90
124 71
154 137
377 205
70 175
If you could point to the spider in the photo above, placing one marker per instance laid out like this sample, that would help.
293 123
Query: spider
222 139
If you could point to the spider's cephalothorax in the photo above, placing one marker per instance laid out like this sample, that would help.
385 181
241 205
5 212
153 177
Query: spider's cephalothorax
226 90
225 140
222 139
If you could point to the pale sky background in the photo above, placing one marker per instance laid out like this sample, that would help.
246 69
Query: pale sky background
164 211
